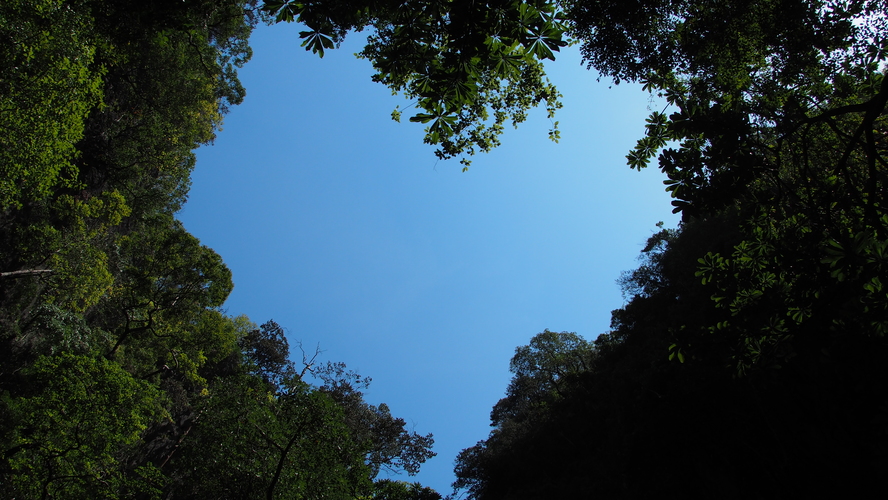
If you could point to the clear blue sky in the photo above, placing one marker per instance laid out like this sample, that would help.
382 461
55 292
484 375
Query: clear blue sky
339 224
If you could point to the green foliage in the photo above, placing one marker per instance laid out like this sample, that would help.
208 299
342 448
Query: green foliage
49 82
76 253
261 430
386 489
76 426
467 67
248 442
748 358
267 351
119 375
54 330
541 370
384 439
544 370
733 362
774 121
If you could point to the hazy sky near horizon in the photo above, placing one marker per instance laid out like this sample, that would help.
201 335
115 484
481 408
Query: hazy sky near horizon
341 225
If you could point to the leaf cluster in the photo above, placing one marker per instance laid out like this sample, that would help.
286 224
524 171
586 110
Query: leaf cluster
467 67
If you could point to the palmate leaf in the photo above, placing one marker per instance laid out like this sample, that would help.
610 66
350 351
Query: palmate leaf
422 118
469 71
444 120
541 50
528 14
423 85
462 93
543 35
316 41
509 64
434 111
551 38
442 128
545 41
283 10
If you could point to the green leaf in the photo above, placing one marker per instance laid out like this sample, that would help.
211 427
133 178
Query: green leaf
316 42
422 118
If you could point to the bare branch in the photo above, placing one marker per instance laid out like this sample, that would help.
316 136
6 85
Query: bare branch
26 272
306 362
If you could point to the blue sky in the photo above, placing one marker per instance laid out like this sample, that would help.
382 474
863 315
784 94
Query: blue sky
342 226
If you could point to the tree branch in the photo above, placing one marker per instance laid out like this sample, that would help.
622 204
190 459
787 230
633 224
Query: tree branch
26 272
269 494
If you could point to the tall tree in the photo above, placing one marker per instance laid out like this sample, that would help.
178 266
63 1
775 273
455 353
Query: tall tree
544 370
387 443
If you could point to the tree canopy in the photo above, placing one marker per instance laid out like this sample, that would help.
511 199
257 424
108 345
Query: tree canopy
120 376
467 67
747 328
749 356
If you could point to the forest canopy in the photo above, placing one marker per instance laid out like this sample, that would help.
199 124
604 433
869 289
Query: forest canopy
748 359
120 375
